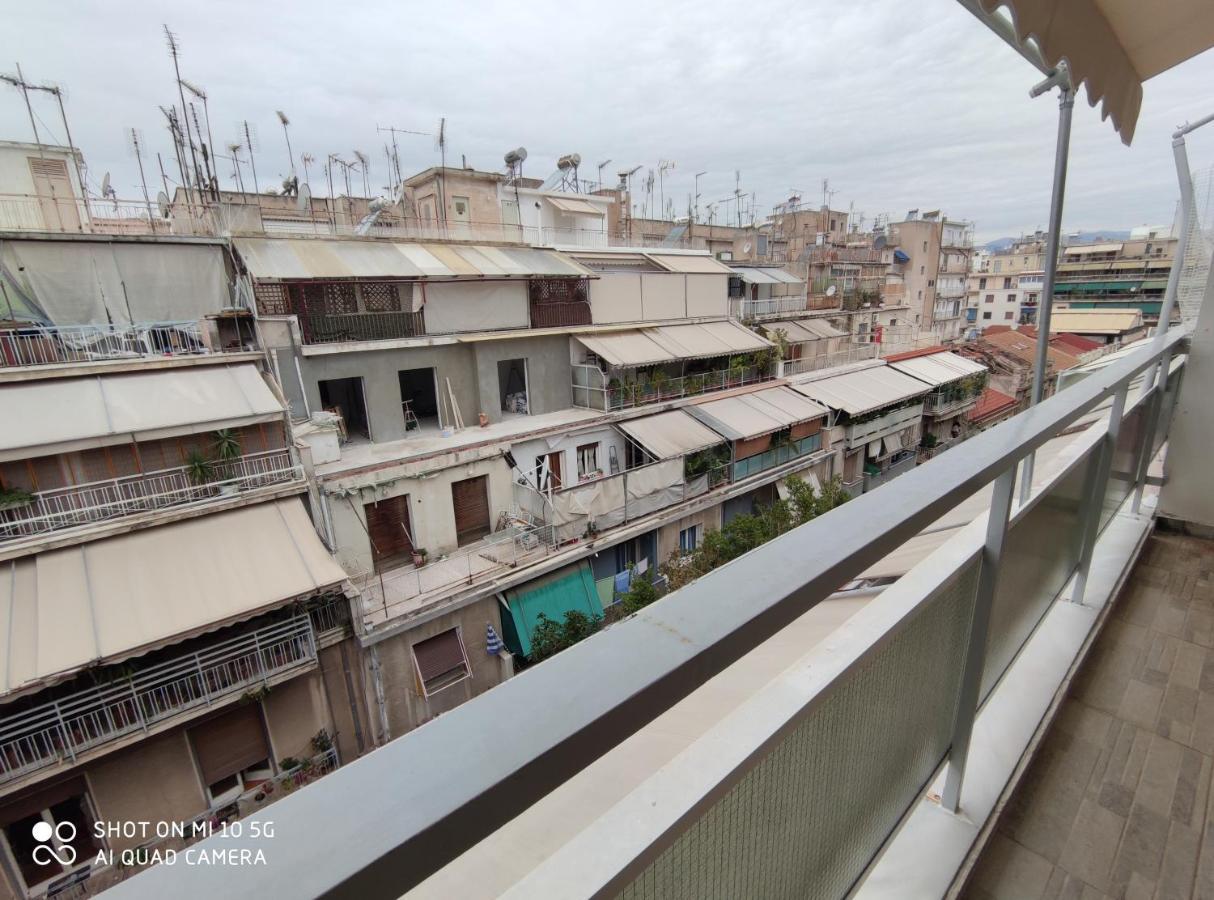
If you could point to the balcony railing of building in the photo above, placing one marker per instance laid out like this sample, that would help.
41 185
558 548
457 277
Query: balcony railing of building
329 328
71 215
593 389
557 302
777 456
100 501
900 462
63 730
879 424
951 398
36 344
754 309
801 788
815 362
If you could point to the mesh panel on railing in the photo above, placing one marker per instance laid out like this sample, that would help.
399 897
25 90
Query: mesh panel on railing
808 819
1040 554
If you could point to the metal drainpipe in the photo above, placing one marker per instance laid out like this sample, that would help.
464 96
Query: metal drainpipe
378 682
1060 78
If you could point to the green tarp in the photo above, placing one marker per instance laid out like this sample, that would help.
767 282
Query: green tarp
553 595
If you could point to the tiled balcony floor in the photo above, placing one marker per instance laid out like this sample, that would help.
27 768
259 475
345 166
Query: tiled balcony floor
1117 801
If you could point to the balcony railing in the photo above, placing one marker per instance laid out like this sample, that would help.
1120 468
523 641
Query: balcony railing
557 313
776 456
800 785
814 363
328 328
857 433
902 462
773 306
100 501
945 403
36 344
592 388
62 730
71 215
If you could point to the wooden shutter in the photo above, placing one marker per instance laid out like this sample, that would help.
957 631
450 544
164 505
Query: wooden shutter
230 743
470 499
440 659
390 544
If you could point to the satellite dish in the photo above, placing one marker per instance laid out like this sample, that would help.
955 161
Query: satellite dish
746 247
107 189
162 201
830 291
303 198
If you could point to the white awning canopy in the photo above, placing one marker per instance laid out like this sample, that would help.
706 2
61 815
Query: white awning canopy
119 597
296 258
939 368
753 275
113 409
798 331
670 343
575 207
751 415
690 263
864 390
670 434
1111 45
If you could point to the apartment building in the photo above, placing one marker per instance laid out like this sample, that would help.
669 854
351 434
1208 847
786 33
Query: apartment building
177 637
1131 275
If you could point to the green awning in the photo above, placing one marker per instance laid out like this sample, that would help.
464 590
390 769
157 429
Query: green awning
552 595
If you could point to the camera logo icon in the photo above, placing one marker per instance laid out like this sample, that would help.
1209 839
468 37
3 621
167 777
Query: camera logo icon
46 852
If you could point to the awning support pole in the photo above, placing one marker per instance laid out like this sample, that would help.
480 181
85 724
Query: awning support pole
1061 79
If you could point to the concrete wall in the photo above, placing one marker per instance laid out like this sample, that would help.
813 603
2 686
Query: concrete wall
657 296
344 687
431 514
294 712
478 306
381 387
526 452
406 705
549 378
668 535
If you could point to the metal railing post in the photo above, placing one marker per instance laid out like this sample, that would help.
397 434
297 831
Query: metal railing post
1095 494
1142 455
975 655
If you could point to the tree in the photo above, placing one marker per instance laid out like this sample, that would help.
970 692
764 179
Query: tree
640 594
549 638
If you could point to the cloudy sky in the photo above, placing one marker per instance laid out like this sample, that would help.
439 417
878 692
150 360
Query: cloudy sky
899 106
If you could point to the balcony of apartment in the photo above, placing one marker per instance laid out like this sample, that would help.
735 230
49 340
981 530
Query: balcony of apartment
745 308
750 735
617 389
814 362
34 513
559 302
38 344
334 327
951 399
861 430
138 698
784 449
882 469
73 215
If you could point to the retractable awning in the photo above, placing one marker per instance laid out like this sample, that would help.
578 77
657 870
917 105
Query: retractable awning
553 595
798 331
690 263
864 390
109 600
669 343
298 258
112 409
670 434
575 207
752 415
939 368
752 275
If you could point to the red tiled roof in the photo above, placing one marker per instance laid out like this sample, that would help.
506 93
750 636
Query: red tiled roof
1024 347
990 403
1082 344
911 354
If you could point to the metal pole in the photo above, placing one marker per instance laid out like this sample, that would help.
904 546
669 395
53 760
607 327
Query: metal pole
20 82
67 132
1066 104
975 655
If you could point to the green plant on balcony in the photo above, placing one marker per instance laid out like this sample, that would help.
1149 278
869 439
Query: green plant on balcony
322 742
929 441
661 384
704 461
15 498
198 468
737 370
226 446
695 384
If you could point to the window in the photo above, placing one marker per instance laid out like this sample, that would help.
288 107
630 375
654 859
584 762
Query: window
232 753
1030 298
1007 284
66 808
987 314
931 282
1011 298
998 265
587 461
989 298
1009 315
441 661
982 284
921 270
689 538
925 246
460 205
893 322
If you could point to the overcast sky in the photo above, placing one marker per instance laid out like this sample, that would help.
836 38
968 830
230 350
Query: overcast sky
899 105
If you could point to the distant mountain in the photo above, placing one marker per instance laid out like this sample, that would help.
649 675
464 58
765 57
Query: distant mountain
1082 237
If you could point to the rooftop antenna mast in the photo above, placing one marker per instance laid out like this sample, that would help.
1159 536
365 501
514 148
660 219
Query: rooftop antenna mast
365 162
441 141
170 113
173 52
138 151
664 166
306 159
737 195
234 149
209 146
248 139
604 164
394 161
286 132
211 179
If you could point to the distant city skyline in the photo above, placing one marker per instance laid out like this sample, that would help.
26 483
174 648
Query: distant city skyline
897 114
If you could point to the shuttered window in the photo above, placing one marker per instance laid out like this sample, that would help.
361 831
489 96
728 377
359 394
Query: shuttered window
470 499
390 544
441 661
230 743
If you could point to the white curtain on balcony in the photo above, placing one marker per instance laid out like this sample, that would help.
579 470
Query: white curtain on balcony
654 487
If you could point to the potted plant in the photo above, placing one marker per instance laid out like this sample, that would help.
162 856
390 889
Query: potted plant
661 381
419 556
198 468
227 451
14 498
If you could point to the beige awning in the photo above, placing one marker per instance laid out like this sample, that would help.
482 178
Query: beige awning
575 207
939 368
111 409
294 258
670 434
1111 45
797 331
669 343
864 390
765 275
748 416
1084 249
690 263
1095 321
119 597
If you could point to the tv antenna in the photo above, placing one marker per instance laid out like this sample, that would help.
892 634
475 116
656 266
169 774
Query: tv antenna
208 146
286 132
737 194
394 161
248 139
174 52
306 159
664 166
234 149
365 163
604 164
138 151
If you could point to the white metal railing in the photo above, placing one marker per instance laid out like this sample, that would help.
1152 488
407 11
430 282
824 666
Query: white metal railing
753 309
801 365
99 501
593 389
37 344
330 617
62 730
883 425
943 403
71 215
